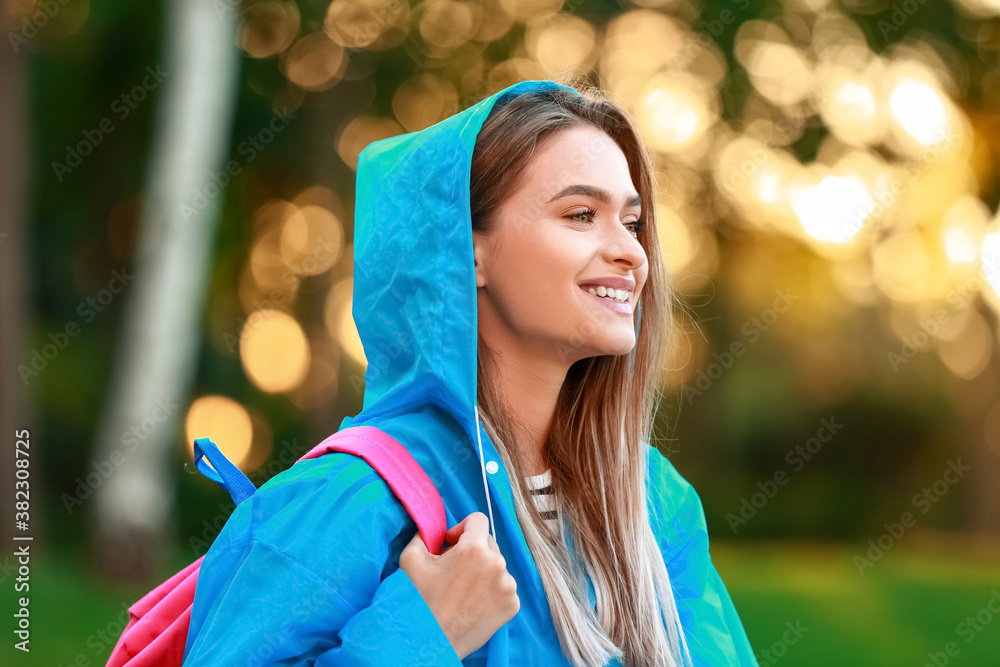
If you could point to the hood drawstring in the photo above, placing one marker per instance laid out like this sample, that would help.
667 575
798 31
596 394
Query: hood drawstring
482 464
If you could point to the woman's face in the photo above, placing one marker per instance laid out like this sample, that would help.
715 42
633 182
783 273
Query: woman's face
535 271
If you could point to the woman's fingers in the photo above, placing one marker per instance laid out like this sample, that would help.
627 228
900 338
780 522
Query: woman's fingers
414 552
474 527
453 533
477 529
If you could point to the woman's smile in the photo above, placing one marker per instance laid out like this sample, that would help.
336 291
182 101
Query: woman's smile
624 308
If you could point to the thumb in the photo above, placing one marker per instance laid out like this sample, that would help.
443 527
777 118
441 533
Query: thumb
416 544
414 553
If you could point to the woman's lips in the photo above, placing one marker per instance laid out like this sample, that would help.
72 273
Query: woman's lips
611 304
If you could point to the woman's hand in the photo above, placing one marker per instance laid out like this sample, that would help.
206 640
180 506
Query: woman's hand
467 587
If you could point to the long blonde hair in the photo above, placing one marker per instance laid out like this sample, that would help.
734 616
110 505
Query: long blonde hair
596 448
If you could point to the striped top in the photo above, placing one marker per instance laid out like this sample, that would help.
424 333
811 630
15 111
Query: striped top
541 491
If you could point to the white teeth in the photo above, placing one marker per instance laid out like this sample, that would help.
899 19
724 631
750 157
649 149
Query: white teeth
619 295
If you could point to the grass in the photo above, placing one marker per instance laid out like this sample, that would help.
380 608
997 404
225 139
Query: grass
906 606
907 609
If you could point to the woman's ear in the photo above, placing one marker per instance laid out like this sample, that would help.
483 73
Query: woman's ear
478 252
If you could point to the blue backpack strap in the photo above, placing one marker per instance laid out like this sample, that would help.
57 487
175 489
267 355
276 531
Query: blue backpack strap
222 471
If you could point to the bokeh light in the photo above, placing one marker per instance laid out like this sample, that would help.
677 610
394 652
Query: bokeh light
268 28
312 239
360 132
315 62
226 422
367 24
274 351
340 322
424 100
672 113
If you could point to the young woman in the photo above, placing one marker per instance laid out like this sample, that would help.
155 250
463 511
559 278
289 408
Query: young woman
511 296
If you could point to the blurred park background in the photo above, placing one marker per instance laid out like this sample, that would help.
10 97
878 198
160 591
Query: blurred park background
176 203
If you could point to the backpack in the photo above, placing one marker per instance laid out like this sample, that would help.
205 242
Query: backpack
158 624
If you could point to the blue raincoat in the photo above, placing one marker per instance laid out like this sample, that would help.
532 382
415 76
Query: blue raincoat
305 571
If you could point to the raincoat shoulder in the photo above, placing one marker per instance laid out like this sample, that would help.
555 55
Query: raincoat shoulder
305 571
714 632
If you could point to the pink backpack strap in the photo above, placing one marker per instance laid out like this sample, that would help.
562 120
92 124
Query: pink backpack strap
158 624
400 470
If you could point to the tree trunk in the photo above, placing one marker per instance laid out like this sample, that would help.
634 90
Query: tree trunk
159 337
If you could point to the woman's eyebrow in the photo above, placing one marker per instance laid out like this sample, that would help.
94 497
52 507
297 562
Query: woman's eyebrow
597 193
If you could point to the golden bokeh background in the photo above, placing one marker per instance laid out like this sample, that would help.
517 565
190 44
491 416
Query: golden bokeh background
827 202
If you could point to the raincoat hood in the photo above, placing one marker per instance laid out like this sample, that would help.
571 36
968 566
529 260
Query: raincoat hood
414 276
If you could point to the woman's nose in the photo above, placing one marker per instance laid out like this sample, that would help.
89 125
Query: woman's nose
621 247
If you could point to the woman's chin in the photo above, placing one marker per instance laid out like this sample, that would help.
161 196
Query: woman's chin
616 346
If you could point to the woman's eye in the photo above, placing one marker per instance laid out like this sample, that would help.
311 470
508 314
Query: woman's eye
636 226
589 212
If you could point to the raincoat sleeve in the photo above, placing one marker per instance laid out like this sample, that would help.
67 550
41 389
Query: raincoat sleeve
713 629
306 573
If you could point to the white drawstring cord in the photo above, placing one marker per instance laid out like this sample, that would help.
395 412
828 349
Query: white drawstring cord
482 464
